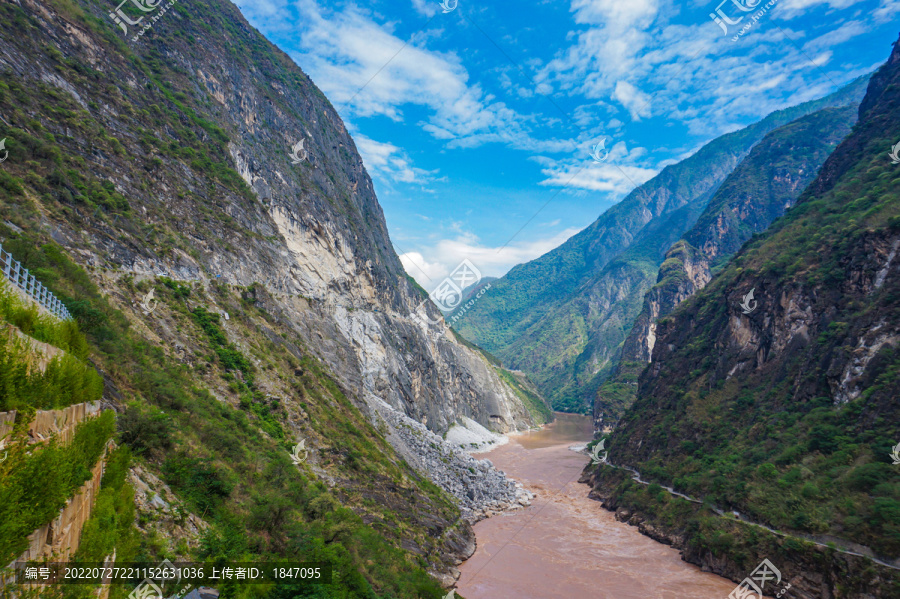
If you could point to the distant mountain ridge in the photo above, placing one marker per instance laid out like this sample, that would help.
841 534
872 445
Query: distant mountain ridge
785 413
763 186
561 317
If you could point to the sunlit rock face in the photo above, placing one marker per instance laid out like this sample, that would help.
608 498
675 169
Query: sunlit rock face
304 223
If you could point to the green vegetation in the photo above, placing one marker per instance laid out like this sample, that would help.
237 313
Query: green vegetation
706 533
229 356
110 528
617 393
539 410
36 482
491 358
64 381
28 318
769 418
563 317
220 462
210 407
759 190
770 179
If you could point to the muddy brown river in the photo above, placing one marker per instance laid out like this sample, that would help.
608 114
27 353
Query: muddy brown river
565 546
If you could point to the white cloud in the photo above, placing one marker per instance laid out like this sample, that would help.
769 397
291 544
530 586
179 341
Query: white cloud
622 61
430 265
389 161
615 14
887 10
635 101
593 176
789 9
631 54
845 32
367 70
427 8
346 51
427 274
618 174
607 51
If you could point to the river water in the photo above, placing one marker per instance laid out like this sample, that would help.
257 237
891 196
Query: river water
565 546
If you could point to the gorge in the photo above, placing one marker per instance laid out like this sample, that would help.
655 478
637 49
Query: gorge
214 351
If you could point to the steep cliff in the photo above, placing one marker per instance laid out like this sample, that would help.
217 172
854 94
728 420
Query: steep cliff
237 287
183 98
562 317
762 187
782 408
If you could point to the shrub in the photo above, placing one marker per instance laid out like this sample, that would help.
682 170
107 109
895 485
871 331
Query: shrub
63 382
197 479
868 476
145 429
767 471
34 487
28 318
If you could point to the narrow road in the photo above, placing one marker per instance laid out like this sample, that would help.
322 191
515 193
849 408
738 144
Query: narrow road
834 544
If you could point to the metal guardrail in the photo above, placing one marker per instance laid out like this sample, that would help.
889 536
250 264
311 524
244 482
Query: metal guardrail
21 278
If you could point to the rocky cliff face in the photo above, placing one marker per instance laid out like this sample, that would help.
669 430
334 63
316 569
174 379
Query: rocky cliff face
684 271
763 186
196 161
781 407
561 318
312 233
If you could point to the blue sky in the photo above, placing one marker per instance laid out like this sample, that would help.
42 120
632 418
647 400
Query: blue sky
477 124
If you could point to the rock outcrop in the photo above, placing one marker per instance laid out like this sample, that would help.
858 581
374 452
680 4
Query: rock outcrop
312 232
781 404
562 317
172 161
763 186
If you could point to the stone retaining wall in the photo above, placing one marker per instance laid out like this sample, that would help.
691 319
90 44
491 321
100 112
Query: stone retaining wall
7 420
61 537
47 423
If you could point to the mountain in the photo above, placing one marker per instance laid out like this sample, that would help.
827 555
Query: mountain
241 299
782 408
762 187
561 317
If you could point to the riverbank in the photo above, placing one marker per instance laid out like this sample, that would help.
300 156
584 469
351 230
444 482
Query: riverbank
732 547
566 545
